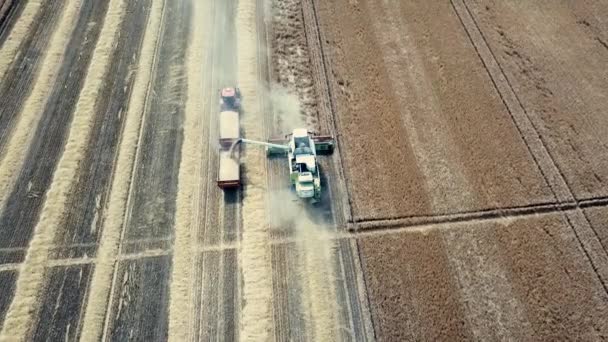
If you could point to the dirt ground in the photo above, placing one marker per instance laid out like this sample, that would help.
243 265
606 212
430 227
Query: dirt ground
598 218
423 128
524 278
554 55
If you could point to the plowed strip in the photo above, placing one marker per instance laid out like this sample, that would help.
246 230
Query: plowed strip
32 275
110 238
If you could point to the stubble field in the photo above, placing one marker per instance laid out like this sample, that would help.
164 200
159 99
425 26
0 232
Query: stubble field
466 199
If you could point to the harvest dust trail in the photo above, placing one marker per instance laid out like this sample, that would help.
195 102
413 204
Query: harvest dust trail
25 305
17 35
111 233
316 272
255 322
14 154
185 250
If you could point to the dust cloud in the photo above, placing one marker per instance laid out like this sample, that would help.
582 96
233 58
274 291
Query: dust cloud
19 319
316 257
286 107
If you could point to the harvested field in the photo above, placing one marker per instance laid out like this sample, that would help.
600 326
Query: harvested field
464 200
495 280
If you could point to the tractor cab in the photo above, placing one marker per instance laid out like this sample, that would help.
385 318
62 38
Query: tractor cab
230 98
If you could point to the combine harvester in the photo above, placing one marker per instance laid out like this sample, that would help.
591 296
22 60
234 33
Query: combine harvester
301 148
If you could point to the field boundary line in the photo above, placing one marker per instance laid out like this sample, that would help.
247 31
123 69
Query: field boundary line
490 212
555 178
111 232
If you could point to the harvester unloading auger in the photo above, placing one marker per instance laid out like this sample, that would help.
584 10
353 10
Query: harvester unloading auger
301 148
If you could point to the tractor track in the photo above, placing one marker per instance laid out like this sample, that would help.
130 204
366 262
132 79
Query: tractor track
469 216
577 220
216 284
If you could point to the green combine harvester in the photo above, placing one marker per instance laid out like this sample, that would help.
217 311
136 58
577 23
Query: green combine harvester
301 149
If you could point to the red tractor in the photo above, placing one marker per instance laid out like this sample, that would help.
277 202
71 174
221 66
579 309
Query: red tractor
230 99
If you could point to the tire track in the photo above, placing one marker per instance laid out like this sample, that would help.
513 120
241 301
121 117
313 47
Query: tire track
181 291
112 227
25 304
529 134
61 309
13 147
